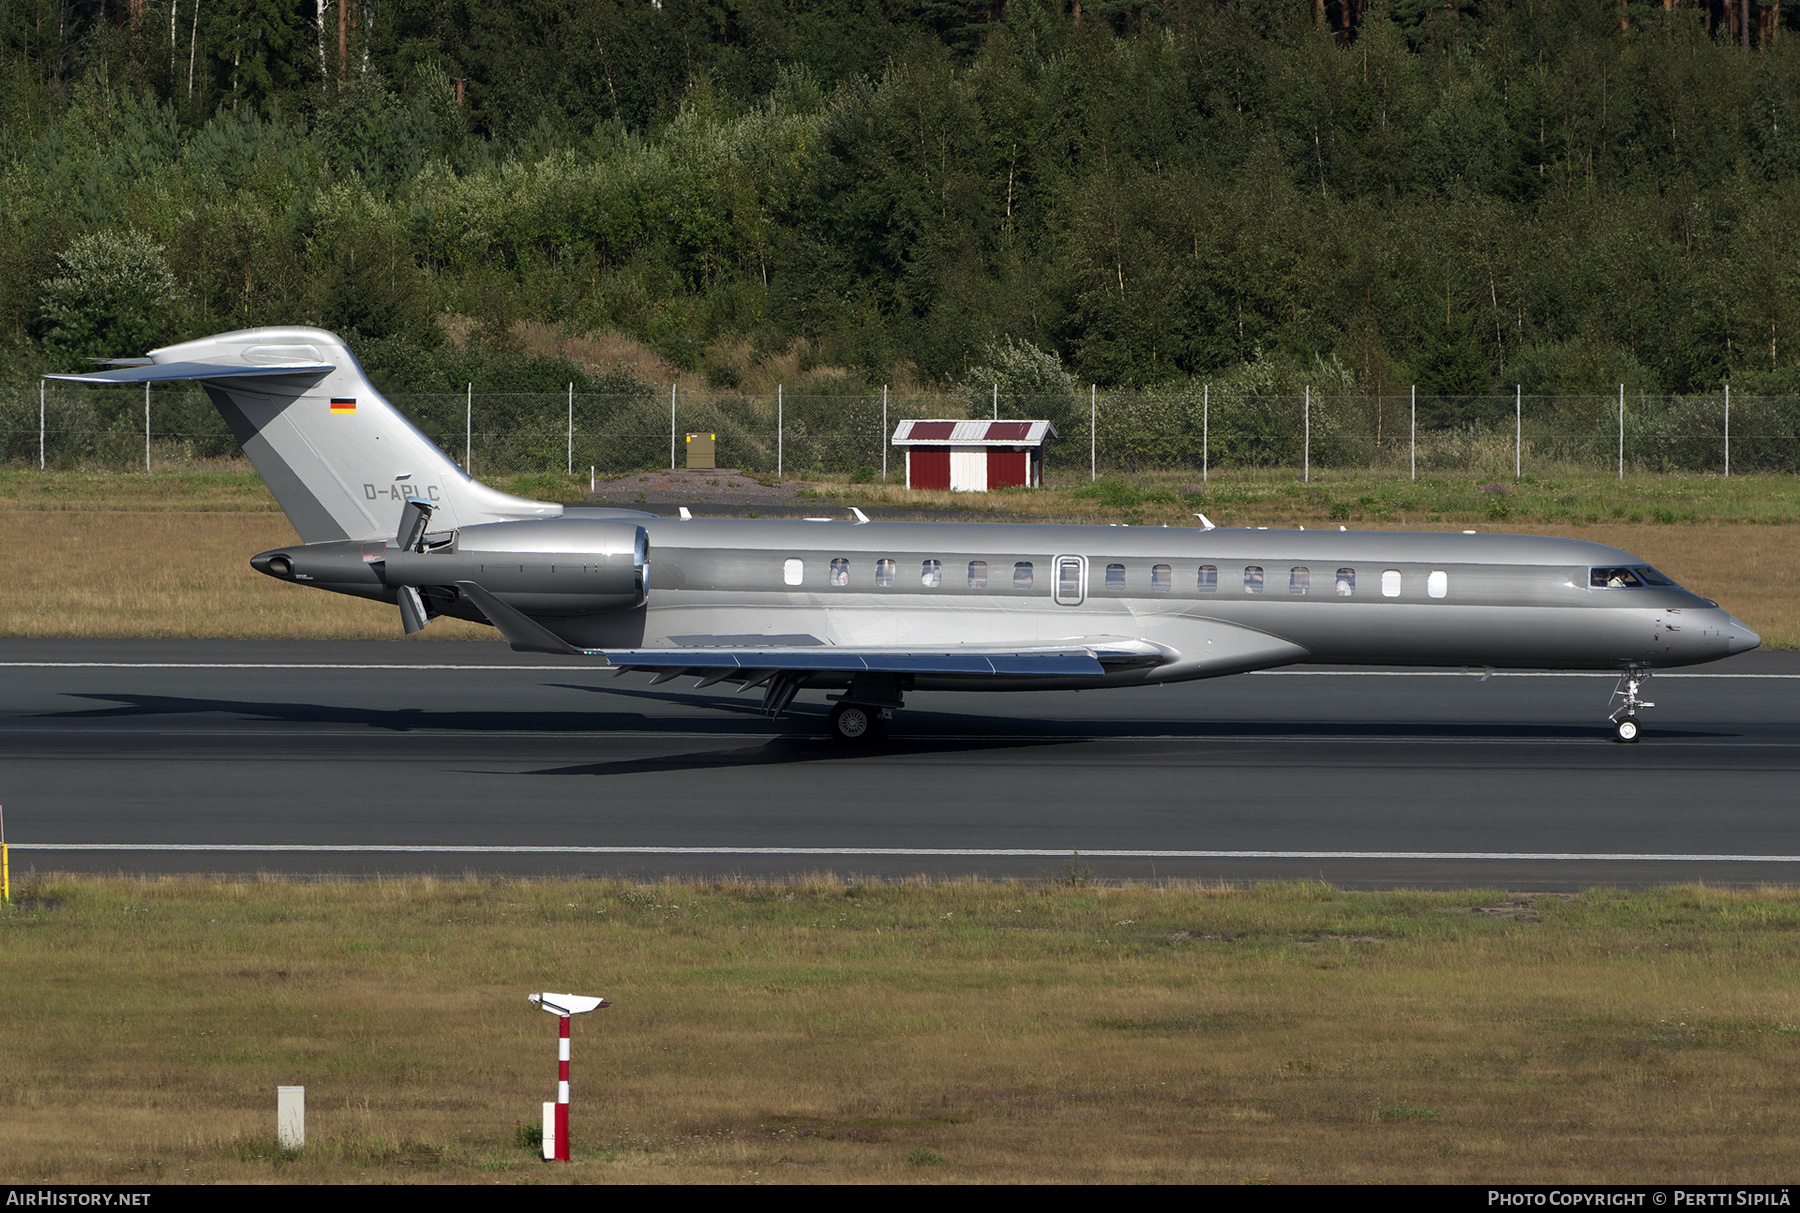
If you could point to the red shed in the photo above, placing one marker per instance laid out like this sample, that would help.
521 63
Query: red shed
973 456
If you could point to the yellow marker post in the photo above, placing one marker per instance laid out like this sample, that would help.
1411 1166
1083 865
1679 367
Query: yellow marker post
5 863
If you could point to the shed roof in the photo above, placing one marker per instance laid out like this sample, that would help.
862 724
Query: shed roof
973 433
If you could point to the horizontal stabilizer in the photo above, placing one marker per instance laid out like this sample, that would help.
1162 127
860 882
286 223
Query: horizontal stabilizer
162 372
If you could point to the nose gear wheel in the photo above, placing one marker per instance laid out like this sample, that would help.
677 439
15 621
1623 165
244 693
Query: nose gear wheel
1624 717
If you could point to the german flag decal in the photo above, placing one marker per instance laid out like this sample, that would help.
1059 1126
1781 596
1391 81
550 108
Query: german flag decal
342 406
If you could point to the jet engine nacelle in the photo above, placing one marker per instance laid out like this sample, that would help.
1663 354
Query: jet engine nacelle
551 566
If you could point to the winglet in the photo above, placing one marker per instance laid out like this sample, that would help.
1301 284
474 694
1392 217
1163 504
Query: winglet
860 516
523 633
685 515
1206 523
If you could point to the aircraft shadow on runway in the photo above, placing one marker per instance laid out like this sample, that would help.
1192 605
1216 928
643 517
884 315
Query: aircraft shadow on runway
914 728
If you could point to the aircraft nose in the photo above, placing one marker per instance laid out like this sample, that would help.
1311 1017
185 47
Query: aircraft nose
1738 638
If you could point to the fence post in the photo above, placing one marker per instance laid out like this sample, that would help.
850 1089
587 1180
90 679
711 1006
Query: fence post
671 427
571 429
1518 428
1205 429
468 428
1621 431
1093 432
41 383
146 427
780 433
884 433
1306 473
1415 431
1728 431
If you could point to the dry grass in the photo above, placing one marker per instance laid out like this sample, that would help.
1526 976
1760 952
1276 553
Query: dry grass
828 1032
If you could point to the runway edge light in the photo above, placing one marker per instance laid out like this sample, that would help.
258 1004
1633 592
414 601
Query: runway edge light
556 1123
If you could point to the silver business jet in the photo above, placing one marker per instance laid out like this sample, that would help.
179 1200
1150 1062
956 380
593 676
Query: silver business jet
872 610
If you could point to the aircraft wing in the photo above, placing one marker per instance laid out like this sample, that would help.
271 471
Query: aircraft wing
159 372
784 667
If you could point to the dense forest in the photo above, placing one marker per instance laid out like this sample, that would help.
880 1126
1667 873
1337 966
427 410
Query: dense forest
1563 194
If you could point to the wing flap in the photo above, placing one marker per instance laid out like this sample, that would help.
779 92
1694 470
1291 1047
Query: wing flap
831 659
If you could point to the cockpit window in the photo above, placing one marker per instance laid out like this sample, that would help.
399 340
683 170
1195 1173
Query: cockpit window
1614 579
1651 576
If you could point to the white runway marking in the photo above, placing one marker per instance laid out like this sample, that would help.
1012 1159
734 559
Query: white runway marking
901 852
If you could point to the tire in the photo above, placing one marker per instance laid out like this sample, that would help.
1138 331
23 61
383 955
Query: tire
1626 729
854 723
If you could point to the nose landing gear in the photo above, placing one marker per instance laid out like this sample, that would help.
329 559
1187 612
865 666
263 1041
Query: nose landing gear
1624 717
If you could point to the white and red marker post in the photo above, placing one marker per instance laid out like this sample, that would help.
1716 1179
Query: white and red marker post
556 1116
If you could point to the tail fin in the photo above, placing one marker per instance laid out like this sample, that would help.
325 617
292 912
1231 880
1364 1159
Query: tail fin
340 459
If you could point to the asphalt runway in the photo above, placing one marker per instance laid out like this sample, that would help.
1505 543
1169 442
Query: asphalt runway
361 758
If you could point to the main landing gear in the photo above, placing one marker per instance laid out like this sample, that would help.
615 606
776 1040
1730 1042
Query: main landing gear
1624 717
861 713
857 722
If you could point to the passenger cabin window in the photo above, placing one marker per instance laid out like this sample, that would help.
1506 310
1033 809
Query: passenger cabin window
1438 584
840 571
793 570
1390 583
1209 579
1615 579
1253 579
1299 580
978 574
1022 575
1115 577
884 572
1346 583
931 574
1162 579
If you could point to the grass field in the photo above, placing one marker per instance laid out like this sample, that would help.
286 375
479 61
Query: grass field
93 554
828 1031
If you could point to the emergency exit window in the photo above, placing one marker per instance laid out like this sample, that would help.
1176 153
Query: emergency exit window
884 572
1162 579
978 574
1022 575
793 570
931 574
1390 583
1209 579
840 571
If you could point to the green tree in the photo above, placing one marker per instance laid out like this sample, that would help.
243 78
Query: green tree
113 296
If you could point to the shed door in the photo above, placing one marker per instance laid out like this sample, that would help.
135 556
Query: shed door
1071 580
1008 469
928 468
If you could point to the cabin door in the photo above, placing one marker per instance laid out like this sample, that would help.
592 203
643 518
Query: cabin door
1071 580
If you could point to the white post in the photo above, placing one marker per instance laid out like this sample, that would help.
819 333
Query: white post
1306 475
590 479
1093 431
290 1117
1415 431
41 383
1518 428
146 427
671 427
1621 431
884 433
1205 430
468 431
1728 431
996 402
571 429
780 437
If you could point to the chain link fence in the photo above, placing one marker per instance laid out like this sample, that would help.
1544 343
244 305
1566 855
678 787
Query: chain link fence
800 435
